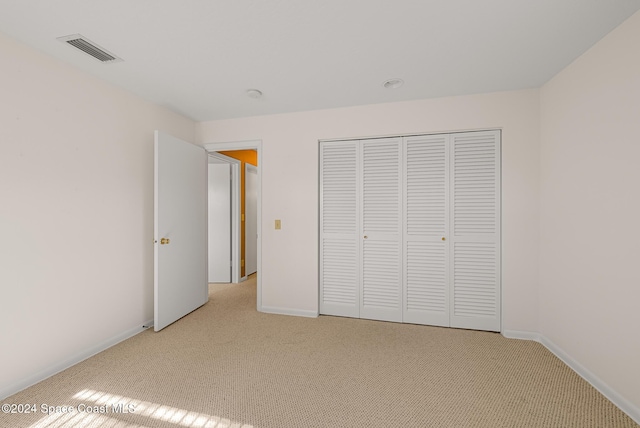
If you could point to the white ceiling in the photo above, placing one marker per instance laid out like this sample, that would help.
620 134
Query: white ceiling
198 57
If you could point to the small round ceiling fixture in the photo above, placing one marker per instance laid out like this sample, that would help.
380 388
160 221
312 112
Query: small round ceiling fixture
254 93
393 83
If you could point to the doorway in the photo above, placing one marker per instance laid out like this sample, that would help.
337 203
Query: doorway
223 228
214 149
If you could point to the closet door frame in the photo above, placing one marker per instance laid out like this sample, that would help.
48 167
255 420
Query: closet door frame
457 320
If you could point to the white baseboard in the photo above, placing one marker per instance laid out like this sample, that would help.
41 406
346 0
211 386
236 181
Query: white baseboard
524 335
75 359
597 383
287 311
622 403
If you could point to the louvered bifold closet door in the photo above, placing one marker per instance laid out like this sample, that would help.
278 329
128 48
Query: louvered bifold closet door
381 229
339 229
475 226
426 212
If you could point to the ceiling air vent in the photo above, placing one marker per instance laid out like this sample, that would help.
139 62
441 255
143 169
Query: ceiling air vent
78 41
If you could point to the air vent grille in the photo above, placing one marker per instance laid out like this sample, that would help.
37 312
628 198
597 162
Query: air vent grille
85 45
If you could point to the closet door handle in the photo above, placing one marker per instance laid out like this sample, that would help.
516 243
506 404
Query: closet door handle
365 236
443 238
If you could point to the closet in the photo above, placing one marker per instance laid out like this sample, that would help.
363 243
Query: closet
410 229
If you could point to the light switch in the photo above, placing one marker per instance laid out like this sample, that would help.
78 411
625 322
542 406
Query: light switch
278 225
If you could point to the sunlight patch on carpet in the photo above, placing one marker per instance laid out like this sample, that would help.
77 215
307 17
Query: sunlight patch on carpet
103 409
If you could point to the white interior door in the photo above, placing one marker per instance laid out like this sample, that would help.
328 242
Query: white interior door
339 229
426 259
180 229
381 230
475 226
251 219
219 221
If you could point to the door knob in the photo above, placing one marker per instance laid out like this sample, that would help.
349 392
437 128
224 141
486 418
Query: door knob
443 238
365 236
164 241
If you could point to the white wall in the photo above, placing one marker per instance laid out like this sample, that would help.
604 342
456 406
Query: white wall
290 185
590 211
76 212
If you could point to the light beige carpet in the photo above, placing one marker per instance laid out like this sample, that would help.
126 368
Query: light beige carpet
226 365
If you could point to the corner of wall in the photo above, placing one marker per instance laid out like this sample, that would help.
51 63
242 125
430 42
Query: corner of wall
588 151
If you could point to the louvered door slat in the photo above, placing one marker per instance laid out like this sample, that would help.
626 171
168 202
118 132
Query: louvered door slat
381 253
475 238
425 290
339 187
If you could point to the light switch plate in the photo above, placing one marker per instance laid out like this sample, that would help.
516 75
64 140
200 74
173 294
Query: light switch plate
278 225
